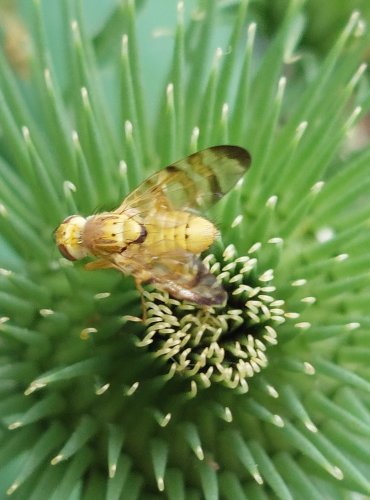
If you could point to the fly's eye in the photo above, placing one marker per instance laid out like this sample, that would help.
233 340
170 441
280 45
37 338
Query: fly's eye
63 250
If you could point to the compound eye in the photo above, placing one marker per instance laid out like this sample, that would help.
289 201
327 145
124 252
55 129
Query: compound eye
63 250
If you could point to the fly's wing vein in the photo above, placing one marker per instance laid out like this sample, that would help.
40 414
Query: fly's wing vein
182 274
194 183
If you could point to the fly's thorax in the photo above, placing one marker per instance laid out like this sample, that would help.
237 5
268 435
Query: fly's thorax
69 238
110 233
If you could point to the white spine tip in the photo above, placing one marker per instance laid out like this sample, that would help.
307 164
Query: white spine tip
299 282
199 453
353 326
281 87
229 252
301 130
193 391
86 332
102 389
132 389
46 312
258 478
160 483
356 77
134 319
34 386
254 248
337 473
325 234
15 425
68 186
228 416
267 275
219 53
308 300
26 132
102 295
276 241
353 117
304 325
360 28
122 167
165 420
317 187
12 489
291 315
128 129
112 471
308 368
237 221
57 459
169 88
272 391
355 16
252 29
272 201
278 421
47 76
311 426
84 95
195 133
341 257
75 137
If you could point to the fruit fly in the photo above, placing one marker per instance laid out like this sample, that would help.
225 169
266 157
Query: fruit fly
157 233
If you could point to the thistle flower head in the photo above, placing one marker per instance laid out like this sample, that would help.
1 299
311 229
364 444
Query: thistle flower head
218 344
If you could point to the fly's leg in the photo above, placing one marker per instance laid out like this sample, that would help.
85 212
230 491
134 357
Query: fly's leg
98 264
141 291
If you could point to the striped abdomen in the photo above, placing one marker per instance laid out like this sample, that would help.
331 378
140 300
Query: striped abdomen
167 231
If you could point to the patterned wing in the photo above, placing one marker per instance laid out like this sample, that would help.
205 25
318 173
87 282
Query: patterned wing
182 274
194 183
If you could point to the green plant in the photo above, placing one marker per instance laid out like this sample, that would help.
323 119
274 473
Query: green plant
90 408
